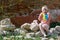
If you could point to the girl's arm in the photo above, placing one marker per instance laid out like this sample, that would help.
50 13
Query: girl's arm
40 17
49 18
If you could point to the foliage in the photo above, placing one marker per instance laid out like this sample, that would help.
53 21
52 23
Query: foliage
53 24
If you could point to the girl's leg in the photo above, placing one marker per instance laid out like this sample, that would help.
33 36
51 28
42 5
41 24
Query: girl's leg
42 30
46 27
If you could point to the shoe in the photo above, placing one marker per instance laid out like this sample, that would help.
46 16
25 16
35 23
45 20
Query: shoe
45 36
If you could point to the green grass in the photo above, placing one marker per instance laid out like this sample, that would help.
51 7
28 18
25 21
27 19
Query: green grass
1 37
22 38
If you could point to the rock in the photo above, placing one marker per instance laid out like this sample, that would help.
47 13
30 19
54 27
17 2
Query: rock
20 36
38 33
51 39
31 34
33 38
44 39
57 28
23 32
25 26
5 38
20 31
5 21
52 30
34 26
4 33
58 38
6 24
27 36
16 37
11 36
17 31
1 32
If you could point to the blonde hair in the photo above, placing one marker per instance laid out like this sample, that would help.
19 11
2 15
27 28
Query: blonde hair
44 7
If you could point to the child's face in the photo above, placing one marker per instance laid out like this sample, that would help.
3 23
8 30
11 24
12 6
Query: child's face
45 11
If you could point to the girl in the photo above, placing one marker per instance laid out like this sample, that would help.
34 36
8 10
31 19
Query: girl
44 18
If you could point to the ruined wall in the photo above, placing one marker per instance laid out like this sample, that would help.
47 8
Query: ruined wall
55 14
11 8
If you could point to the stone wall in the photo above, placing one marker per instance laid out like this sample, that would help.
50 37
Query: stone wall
55 14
